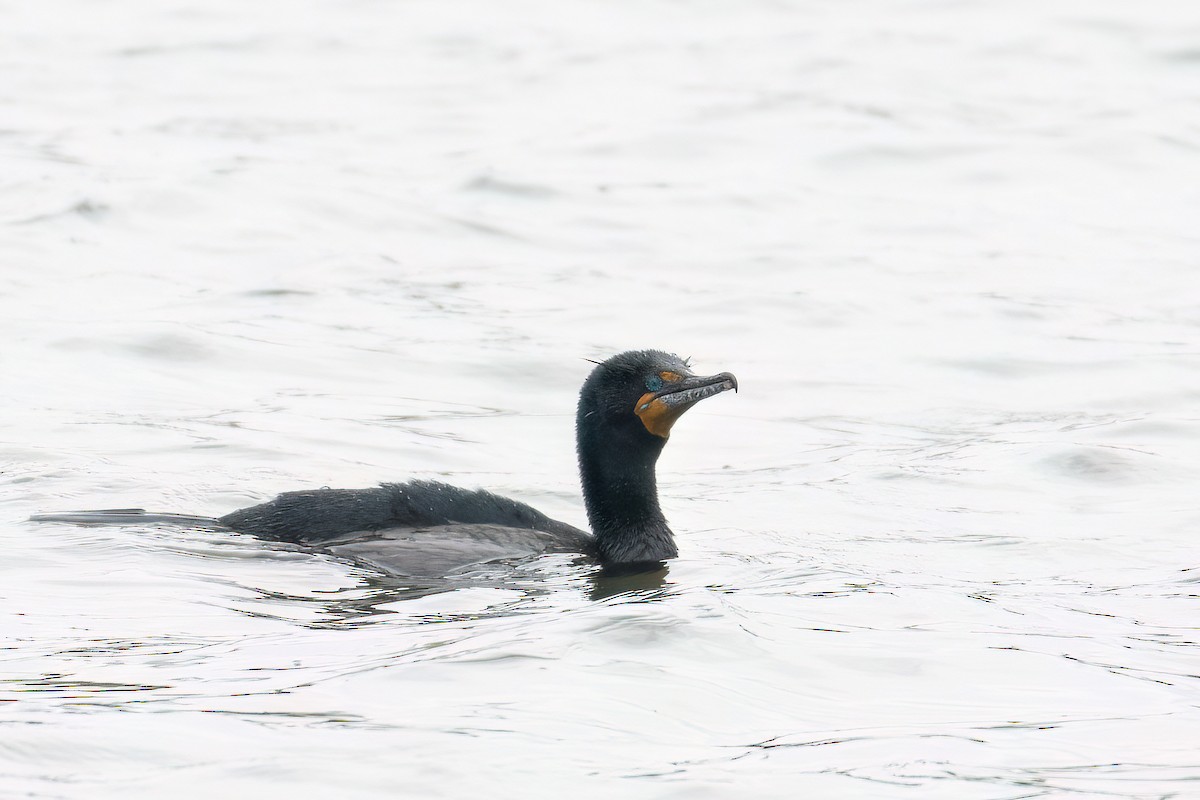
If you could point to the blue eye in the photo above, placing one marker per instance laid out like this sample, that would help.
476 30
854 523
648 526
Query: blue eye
654 383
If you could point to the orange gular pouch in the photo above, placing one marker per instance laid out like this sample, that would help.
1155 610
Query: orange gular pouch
658 415
659 410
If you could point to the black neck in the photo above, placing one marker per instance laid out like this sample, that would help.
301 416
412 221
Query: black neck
620 491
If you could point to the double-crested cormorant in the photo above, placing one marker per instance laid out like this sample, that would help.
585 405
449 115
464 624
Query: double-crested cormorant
423 528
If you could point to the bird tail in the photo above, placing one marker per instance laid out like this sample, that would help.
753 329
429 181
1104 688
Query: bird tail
125 516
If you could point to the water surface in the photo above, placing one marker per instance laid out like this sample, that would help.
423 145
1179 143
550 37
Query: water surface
942 544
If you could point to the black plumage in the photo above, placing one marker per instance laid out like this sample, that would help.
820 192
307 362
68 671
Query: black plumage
626 408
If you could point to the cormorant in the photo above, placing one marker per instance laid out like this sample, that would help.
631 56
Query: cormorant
428 529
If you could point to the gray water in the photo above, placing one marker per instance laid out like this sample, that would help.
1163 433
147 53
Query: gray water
943 544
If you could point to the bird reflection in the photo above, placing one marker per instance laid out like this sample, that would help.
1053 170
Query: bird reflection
609 583
377 595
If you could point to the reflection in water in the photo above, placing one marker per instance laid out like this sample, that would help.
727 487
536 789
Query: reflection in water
609 583
376 595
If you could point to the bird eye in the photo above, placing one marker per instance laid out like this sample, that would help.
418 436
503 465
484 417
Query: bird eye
654 383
